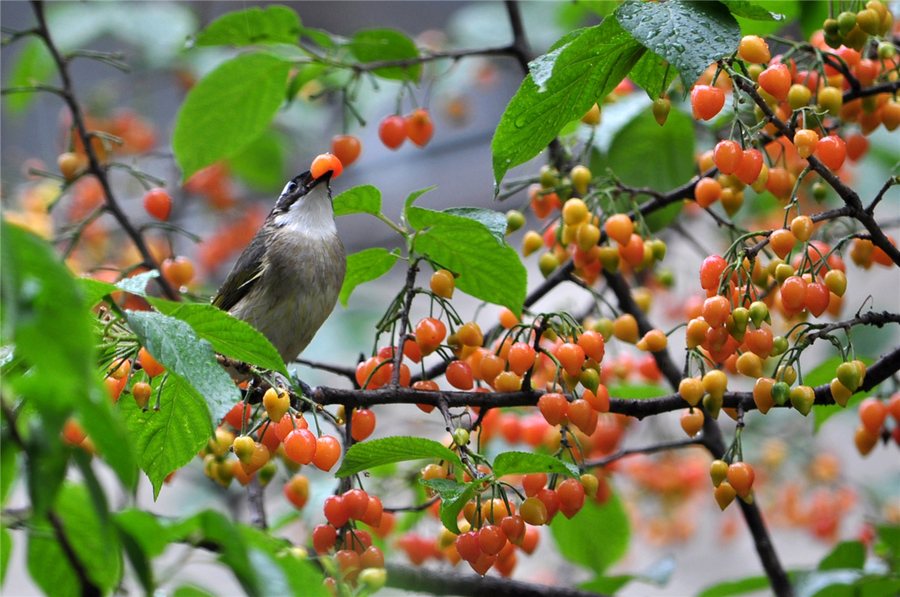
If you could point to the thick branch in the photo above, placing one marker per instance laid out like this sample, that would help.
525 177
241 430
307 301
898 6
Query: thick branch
620 288
471 585
257 502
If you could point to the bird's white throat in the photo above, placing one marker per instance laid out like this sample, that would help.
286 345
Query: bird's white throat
312 214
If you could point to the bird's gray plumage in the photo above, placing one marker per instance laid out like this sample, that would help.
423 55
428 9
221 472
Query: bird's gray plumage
287 280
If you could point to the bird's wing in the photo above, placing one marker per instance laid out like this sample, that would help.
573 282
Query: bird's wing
244 275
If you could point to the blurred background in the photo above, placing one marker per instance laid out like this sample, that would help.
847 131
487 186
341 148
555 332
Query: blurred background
678 542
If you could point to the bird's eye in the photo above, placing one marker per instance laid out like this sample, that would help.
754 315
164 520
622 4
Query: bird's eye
289 188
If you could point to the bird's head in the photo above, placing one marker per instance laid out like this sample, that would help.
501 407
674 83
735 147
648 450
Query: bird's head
305 203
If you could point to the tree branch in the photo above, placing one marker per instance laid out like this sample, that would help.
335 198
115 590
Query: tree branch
471 585
94 166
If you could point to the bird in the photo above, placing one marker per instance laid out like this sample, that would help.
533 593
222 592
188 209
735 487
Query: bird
287 281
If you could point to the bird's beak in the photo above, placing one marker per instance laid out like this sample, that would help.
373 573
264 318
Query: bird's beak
326 178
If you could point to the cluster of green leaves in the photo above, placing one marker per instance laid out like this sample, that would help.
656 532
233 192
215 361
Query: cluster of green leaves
468 241
51 370
648 42
231 108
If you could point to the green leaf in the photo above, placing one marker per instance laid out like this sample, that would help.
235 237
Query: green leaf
846 554
146 530
606 585
364 199
690 35
214 527
751 10
751 584
167 439
94 542
9 465
33 64
6 546
190 591
454 496
364 266
102 423
889 536
597 537
228 335
581 73
523 463
324 39
643 139
283 573
828 583
393 449
410 199
261 163
636 391
653 74
175 345
48 458
139 561
274 25
787 10
487 271
375 45
37 293
823 374
811 14
93 291
874 586
305 73
492 220
137 284
228 109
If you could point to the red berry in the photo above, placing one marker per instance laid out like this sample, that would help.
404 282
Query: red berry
571 497
335 512
355 501
727 156
158 204
534 482
832 151
740 477
521 358
571 357
346 148
459 375
300 446
553 407
328 450
491 539
325 162
593 345
430 332
419 127
872 414
324 537
392 131
711 272
706 101
374 512
776 81
751 166
362 424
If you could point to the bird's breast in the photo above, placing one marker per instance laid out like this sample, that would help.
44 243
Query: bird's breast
300 284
